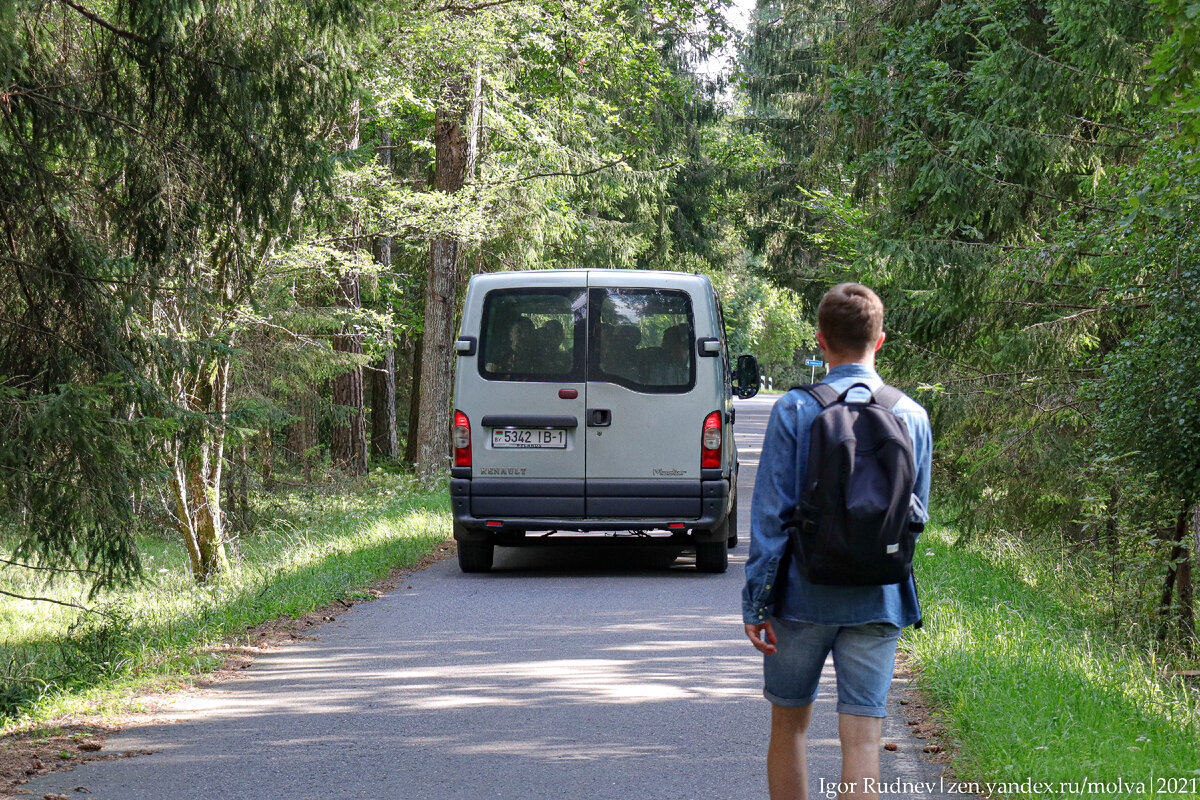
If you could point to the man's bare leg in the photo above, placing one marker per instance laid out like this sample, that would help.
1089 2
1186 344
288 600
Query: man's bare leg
860 738
787 765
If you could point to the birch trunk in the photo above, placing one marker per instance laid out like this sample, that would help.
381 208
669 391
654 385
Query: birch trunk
348 440
384 442
475 124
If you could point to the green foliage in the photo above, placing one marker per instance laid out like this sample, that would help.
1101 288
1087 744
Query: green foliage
148 155
769 322
1175 61
67 460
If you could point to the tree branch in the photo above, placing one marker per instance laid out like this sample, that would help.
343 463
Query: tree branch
592 171
1076 70
1009 184
103 23
81 110
1074 139
1018 248
470 9
88 278
48 569
1017 373
1085 312
1031 304
1086 121
51 600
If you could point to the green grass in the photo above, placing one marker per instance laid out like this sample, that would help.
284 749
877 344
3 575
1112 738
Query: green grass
1030 692
316 549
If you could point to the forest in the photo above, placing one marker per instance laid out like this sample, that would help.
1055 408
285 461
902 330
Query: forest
235 235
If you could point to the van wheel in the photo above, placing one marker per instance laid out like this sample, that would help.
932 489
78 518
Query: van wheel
475 556
712 556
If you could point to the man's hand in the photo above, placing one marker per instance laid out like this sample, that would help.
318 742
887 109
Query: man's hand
763 638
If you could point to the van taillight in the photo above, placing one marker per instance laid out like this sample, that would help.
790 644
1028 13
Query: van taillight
462 440
710 441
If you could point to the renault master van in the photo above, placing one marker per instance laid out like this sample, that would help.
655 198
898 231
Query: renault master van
595 400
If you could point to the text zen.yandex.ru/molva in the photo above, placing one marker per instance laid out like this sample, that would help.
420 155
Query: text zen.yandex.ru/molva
898 787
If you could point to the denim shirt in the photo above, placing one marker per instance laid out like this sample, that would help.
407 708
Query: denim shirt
777 489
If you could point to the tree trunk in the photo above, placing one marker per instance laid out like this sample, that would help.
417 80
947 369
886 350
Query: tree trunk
302 435
1112 533
383 373
383 407
198 454
1185 587
474 124
433 423
348 439
414 403
267 448
1175 572
230 508
245 519
1111 522
236 481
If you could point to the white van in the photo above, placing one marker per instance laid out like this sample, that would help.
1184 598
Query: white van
595 400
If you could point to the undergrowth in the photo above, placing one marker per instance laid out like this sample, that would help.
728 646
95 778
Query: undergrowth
1035 688
313 549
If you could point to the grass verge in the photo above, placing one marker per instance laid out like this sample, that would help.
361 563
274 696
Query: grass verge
1036 701
317 549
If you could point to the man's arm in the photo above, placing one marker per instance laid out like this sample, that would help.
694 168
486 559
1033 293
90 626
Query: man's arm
923 456
774 502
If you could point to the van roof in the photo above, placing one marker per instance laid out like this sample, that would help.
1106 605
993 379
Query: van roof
650 276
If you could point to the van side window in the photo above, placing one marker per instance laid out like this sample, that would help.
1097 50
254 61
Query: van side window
642 339
532 335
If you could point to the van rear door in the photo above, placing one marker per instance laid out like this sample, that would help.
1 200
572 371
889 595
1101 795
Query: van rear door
645 408
530 395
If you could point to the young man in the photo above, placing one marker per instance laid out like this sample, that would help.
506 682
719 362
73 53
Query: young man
795 623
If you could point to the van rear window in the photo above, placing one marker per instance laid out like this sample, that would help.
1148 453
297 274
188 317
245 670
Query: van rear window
642 339
533 335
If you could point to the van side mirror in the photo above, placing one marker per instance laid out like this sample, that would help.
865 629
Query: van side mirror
746 377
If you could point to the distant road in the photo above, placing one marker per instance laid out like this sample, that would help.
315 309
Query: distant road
613 672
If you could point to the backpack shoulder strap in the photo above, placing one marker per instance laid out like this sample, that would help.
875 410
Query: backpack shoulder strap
888 396
823 393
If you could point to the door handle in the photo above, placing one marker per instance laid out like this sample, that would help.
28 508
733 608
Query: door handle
599 417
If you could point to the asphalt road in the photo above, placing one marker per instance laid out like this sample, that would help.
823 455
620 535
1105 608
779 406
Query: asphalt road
610 672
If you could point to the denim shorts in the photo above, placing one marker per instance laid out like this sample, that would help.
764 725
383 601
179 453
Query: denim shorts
864 657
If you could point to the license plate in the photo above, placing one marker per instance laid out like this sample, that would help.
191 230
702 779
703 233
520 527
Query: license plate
529 437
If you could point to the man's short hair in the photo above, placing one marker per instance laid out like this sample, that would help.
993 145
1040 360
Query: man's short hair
851 318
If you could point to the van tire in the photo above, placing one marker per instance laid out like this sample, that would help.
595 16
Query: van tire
712 556
475 556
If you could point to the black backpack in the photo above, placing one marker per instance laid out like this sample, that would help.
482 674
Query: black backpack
852 526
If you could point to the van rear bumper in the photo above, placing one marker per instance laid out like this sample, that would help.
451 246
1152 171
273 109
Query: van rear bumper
599 505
